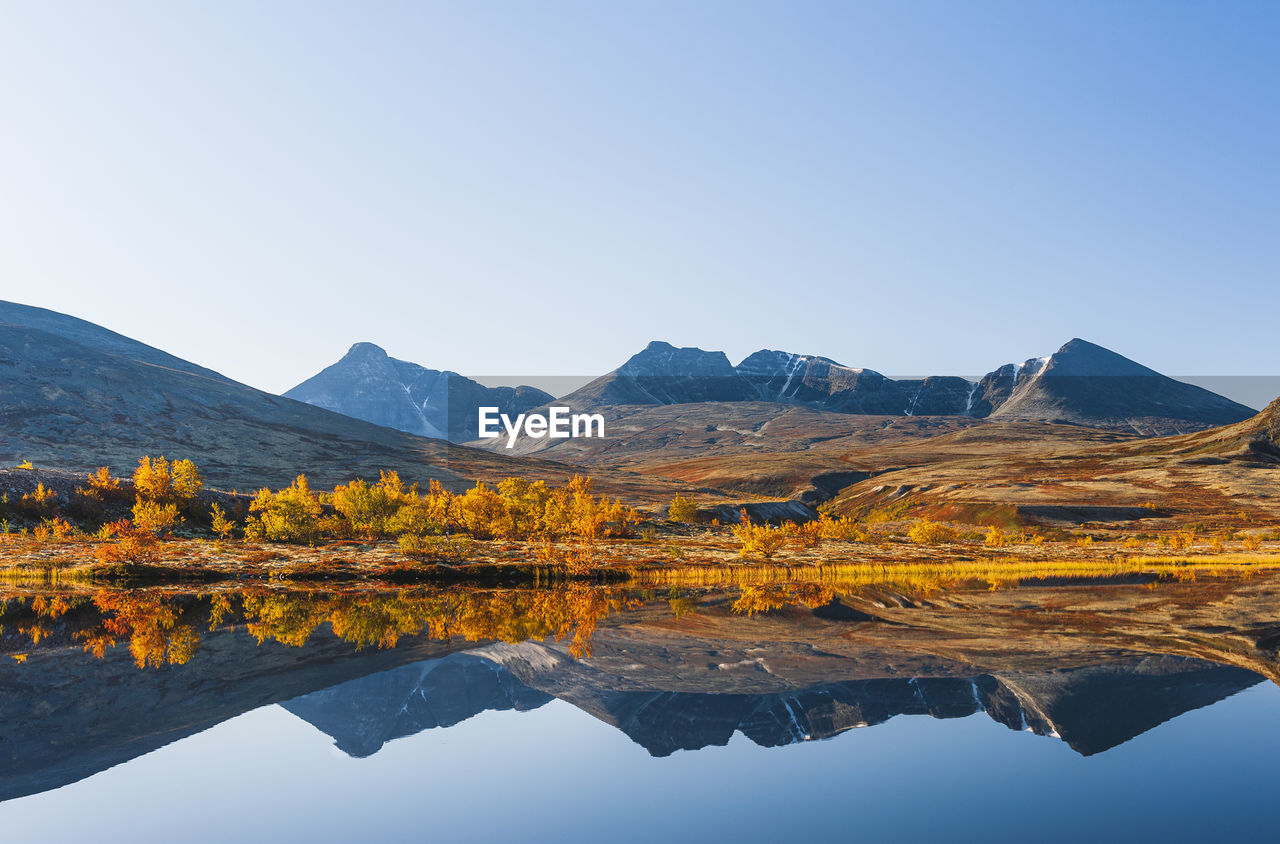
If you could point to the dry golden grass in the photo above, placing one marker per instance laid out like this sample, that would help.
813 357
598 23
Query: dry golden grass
931 575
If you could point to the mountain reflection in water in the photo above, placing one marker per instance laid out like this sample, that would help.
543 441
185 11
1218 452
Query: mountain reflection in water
99 678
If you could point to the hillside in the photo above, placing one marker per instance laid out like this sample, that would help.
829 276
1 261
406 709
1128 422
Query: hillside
65 403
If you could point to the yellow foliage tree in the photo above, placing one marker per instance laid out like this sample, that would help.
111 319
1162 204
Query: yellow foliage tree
221 524
102 485
290 515
926 532
156 479
41 501
153 517
759 540
682 509
371 509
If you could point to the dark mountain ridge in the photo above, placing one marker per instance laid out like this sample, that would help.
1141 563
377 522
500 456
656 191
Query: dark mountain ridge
1091 707
1081 383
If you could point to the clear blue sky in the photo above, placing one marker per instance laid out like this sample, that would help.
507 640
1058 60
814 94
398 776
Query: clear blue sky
541 188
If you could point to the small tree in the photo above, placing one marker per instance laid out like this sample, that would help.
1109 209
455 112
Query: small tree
682 509
154 518
925 532
156 479
760 540
290 515
221 524
41 501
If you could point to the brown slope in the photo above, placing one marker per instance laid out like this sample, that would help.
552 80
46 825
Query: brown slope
1066 476
648 435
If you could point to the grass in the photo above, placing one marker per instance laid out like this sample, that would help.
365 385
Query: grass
932 575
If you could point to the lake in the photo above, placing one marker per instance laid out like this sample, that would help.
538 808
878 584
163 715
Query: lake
1106 709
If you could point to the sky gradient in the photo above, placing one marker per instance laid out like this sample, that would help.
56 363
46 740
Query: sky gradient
522 189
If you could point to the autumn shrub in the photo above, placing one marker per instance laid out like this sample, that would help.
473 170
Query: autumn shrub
526 507
132 545
682 509
995 537
758 540
806 534
103 486
220 523
926 532
290 515
416 518
370 508
481 512
54 529
519 509
619 519
153 517
842 527
41 501
156 479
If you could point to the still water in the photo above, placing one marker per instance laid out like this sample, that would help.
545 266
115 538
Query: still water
1104 712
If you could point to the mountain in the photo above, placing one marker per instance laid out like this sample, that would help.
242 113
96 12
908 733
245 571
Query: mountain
1092 707
1085 384
663 374
364 714
89 335
823 384
74 396
370 385
1081 383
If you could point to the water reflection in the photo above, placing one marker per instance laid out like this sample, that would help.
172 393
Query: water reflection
1091 708
100 677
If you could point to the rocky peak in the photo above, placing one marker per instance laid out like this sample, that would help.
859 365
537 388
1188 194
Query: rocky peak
1082 358
663 359
365 350
369 384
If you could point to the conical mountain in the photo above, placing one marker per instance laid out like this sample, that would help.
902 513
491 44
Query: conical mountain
369 384
1085 384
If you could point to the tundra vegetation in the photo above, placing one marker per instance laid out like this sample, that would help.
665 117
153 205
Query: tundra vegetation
161 521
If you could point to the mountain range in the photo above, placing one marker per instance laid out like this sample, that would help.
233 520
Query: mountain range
1081 383
1093 708
74 395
